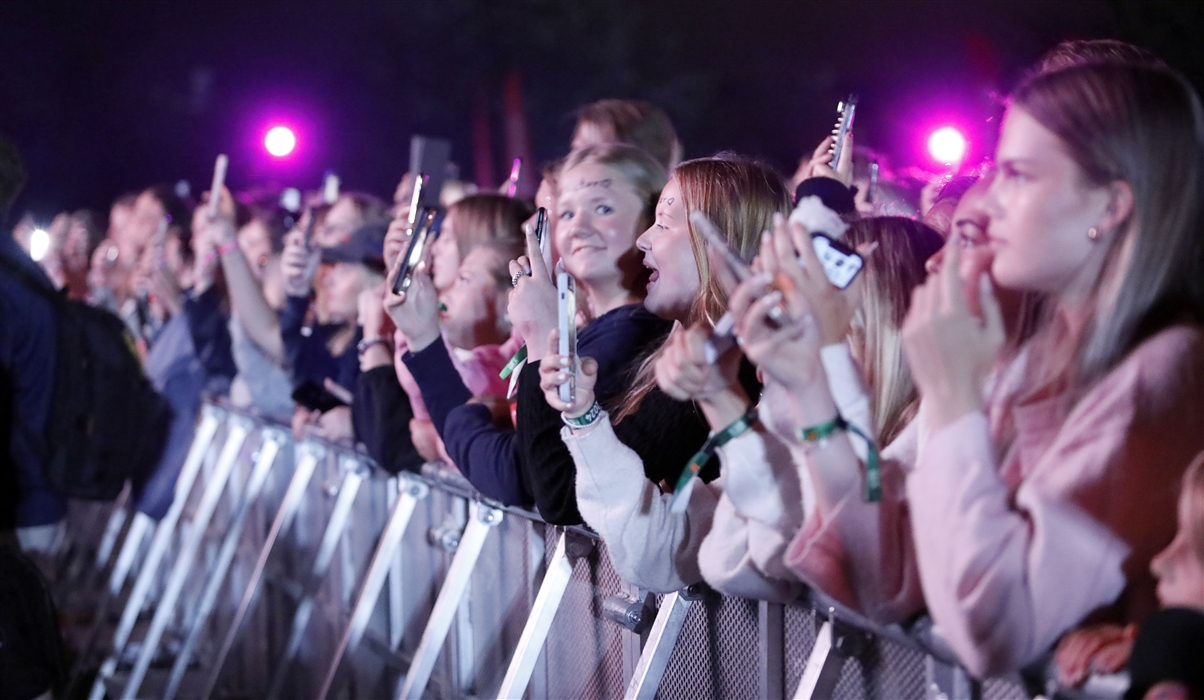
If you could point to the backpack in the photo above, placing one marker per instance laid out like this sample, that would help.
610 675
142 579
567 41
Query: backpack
107 424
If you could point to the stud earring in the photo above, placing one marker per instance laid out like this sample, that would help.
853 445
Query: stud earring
1093 234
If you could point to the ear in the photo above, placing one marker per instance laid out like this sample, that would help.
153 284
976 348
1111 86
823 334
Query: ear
1120 206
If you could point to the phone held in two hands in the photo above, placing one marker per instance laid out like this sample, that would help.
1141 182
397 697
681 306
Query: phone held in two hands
840 262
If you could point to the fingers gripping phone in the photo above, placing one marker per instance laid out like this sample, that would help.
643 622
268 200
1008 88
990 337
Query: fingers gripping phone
215 189
419 245
566 293
541 230
844 124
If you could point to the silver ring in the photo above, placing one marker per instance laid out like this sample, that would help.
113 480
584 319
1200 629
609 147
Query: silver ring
516 277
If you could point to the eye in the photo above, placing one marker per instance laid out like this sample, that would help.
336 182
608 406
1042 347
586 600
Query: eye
970 235
566 214
604 209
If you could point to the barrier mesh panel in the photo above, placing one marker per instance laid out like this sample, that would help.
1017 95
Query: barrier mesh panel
584 651
716 653
798 640
1003 689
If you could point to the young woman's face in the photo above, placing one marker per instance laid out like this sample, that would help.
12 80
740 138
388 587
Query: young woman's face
341 221
337 300
445 255
1040 210
1178 568
256 245
473 302
599 211
968 231
675 283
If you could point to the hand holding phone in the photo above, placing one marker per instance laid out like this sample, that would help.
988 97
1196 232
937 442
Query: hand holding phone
215 189
419 246
566 293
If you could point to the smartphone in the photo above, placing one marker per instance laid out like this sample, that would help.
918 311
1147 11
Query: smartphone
566 289
430 155
723 335
420 182
420 241
844 124
516 169
330 188
841 263
872 190
219 179
541 230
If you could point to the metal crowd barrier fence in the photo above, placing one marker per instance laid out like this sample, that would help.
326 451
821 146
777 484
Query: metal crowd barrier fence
301 570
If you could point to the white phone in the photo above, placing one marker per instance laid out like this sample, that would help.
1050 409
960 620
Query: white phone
566 289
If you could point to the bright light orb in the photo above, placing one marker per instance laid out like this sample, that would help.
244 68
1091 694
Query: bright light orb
280 141
39 244
947 145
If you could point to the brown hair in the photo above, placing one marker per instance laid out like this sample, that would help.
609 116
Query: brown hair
638 123
1082 52
1143 126
740 196
892 272
481 218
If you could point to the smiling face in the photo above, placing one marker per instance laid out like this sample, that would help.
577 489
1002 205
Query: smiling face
1040 209
599 212
669 253
474 301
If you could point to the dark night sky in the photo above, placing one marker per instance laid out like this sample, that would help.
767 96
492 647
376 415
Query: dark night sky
106 97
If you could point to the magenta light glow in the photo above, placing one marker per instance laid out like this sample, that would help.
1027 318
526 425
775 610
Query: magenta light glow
280 141
947 145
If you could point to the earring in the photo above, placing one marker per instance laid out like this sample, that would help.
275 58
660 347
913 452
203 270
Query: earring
1093 234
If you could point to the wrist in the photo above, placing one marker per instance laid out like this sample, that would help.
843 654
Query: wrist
420 340
724 406
945 408
590 414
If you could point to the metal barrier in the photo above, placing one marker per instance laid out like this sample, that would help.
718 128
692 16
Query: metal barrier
301 570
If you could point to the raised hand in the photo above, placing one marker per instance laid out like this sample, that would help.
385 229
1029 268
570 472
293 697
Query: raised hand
553 371
415 311
533 306
298 263
950 349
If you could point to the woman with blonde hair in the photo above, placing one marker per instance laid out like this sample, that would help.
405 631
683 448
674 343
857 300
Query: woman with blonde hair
622 491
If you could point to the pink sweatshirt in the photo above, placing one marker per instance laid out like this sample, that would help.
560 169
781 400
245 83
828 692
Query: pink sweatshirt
1013 551
479 369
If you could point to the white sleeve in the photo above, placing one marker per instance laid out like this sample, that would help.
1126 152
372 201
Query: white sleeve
649 546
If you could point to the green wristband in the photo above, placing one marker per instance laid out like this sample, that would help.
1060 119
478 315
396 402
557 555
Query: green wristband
514 362
873 470
700 459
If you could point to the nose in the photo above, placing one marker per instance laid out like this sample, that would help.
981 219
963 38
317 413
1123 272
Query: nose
933 264
644 242
1158 565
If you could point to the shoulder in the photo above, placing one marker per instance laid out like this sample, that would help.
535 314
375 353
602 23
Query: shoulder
1165 370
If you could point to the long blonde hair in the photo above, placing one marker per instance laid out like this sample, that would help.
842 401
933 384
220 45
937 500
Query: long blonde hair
891 273
740 196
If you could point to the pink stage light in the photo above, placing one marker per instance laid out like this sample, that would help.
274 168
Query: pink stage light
280 141
947 145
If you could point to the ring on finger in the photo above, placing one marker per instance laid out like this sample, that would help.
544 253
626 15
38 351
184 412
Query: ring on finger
516 277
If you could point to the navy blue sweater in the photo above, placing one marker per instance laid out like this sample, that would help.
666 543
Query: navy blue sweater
491 457
309 356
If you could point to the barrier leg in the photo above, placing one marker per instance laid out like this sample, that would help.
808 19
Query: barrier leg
115 522
353 477
539 623
309 456
666 628
396 613
272 440
822 671
211 416
482 521
410 492
239 429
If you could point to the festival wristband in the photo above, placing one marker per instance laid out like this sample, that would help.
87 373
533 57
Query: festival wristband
585 419
363 345
873 470
514 362
685 483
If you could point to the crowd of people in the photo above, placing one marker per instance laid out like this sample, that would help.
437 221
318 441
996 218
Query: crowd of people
999 423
